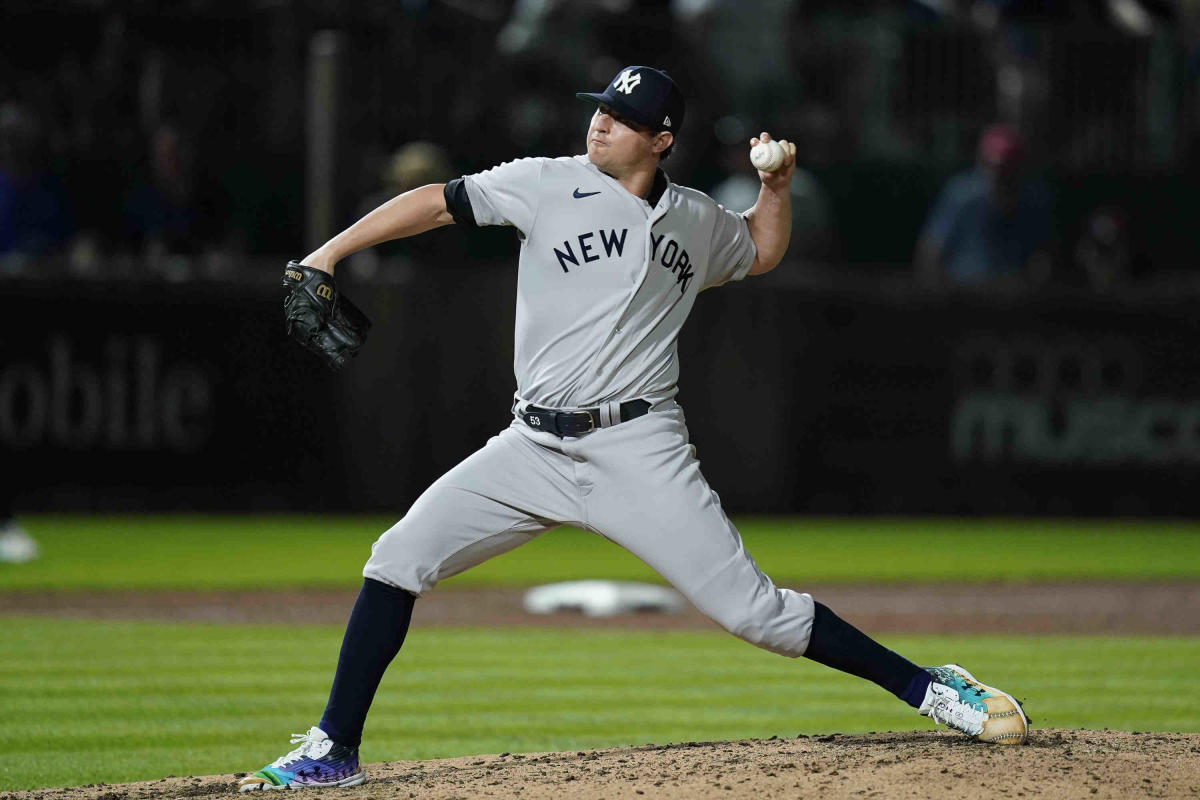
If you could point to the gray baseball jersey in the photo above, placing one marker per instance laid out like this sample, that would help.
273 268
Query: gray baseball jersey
606 281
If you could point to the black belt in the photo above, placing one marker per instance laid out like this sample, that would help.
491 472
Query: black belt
574 423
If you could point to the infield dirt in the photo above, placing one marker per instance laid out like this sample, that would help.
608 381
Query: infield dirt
1013 608
1054 764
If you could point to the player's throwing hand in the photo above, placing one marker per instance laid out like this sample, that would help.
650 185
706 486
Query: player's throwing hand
774 160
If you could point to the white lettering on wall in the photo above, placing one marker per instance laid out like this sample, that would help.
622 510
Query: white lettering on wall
1063 402
130 399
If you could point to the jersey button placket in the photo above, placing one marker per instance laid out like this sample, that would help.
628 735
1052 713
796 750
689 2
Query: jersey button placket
651 220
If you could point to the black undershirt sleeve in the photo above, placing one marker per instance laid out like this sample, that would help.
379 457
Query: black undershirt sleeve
458 203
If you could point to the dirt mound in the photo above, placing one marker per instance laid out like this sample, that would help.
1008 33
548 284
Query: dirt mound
1054 764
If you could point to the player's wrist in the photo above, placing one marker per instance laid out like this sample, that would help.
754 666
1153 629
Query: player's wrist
320 259
777 182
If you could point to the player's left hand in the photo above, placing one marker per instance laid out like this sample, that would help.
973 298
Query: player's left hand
781 177
321 318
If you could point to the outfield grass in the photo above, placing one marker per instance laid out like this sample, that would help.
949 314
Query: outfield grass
247 552
105 701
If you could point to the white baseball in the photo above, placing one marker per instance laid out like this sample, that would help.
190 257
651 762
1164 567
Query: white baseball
766 156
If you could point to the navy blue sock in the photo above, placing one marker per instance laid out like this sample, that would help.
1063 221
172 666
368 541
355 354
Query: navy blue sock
374 634
914 695
838 644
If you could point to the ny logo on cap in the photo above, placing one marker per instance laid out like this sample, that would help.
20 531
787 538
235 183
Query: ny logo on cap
626 81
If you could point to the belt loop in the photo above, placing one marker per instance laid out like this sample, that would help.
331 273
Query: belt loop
614 410
606 418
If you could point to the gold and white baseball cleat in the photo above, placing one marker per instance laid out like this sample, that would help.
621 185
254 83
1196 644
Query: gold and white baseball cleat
955 699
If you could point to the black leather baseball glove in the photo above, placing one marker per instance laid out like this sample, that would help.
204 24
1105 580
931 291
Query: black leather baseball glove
321 318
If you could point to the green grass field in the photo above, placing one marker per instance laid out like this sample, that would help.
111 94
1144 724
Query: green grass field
240 552
86 701
83 702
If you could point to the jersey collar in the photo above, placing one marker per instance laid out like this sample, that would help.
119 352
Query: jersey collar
657 188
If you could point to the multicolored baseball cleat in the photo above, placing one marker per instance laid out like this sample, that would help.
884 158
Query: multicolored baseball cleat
955 699
317 762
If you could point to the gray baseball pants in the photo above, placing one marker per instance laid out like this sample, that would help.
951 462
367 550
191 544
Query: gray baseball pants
637 484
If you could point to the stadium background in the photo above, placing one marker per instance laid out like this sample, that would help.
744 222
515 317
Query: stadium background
160 166
183 155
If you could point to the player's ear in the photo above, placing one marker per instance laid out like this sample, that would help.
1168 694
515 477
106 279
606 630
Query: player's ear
663 140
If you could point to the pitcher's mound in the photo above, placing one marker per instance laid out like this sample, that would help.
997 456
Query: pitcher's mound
1054 764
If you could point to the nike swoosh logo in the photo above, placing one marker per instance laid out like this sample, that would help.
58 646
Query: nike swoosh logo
578 194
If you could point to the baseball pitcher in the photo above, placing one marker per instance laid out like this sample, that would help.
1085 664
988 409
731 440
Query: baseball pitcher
612 256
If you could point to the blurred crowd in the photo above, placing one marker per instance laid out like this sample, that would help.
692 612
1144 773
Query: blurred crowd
965 142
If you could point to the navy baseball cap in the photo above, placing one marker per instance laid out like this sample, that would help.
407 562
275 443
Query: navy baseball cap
645 95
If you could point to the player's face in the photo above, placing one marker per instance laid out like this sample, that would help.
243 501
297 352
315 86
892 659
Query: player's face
615 143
